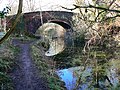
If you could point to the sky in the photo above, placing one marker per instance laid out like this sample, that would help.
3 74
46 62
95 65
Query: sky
44 5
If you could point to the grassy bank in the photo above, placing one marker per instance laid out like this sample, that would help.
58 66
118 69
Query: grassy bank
7 61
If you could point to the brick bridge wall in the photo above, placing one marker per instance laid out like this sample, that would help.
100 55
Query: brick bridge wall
31 21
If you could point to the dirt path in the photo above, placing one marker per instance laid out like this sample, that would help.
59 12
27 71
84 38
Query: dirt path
25 75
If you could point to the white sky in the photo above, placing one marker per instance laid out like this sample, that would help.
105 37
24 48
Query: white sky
44 5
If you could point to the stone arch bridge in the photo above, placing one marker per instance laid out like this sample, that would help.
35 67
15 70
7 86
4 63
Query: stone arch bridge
57 28
31 21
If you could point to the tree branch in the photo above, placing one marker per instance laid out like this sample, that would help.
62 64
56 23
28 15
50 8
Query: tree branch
91 6
111 3
71 9
108 18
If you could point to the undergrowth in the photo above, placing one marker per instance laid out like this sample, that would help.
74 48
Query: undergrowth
7 57
45 68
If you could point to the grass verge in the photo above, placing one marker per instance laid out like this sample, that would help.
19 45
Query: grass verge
7 61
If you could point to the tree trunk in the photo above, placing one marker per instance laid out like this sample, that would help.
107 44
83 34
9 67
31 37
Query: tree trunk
15 22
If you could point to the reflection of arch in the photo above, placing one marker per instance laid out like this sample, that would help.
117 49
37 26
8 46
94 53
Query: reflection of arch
66 24
54 34
61 36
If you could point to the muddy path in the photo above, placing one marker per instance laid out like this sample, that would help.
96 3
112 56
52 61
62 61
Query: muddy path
25 75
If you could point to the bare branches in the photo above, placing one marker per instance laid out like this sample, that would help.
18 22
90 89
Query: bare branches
111 3
91 6
31 5
108 18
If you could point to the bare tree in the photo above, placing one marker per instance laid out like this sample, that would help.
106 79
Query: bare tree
15 22
101 19
30 5
98 16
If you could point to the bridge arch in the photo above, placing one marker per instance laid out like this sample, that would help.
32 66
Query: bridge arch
65 24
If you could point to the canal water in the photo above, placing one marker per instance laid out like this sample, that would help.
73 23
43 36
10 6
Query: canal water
71 76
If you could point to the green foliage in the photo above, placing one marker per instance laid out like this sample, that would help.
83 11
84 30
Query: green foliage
7 52
5 82
45 68
55 83
4 12
5 64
